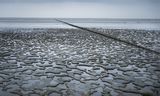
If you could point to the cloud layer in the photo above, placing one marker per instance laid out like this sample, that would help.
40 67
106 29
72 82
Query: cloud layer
80 8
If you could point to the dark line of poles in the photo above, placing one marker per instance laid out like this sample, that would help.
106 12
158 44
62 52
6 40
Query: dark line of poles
111 37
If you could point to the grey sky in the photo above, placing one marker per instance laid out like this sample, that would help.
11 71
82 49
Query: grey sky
80 8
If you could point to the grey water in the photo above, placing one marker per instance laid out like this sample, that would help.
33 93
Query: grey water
144 24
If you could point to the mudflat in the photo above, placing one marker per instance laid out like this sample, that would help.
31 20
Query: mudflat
72 62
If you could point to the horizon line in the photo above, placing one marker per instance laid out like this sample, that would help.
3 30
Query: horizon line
68 18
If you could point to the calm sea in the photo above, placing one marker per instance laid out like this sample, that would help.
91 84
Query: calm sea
147 24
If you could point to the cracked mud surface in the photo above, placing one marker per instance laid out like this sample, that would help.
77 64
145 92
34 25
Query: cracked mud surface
70 62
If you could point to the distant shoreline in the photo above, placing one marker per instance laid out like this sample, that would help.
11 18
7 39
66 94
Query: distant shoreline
79 18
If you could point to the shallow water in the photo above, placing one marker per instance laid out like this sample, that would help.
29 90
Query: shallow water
146 24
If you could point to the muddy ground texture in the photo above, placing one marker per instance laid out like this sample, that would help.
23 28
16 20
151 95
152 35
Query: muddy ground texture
72 62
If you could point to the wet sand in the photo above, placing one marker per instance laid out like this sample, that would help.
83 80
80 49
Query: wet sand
72 62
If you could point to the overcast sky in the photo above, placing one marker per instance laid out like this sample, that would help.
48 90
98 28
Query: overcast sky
81 8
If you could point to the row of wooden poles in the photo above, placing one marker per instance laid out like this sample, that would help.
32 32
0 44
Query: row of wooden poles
111 37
